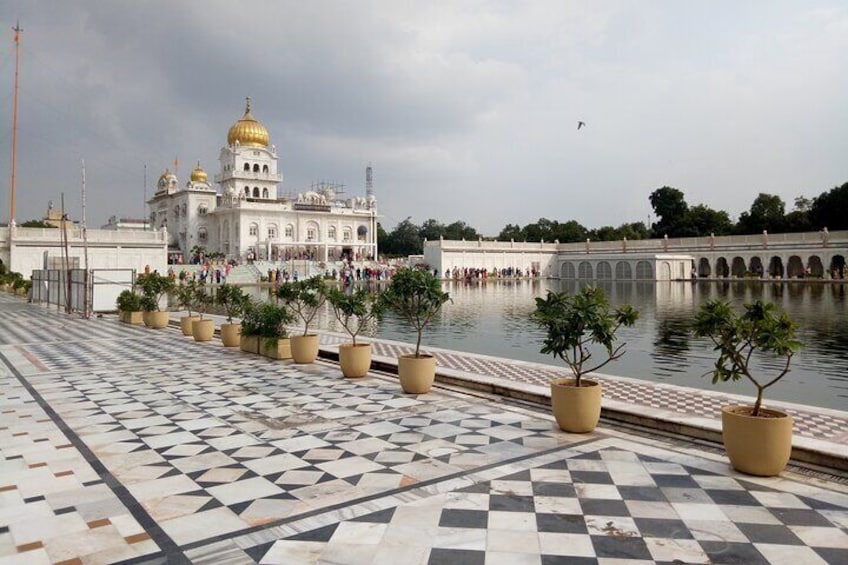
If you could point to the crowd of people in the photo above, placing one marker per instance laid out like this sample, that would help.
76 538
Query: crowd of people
474 273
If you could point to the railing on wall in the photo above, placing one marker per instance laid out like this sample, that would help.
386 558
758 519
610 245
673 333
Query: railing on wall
83 292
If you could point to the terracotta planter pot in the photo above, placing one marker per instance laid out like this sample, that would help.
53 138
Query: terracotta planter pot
304 348
283 349
230 334
416 373
156 319
756 445
186 324
249 343
203 330
576 409
355 360
134 318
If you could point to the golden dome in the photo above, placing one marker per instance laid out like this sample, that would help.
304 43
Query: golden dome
248 131
198 174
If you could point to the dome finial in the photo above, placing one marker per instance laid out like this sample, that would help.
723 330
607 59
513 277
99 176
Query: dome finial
247 108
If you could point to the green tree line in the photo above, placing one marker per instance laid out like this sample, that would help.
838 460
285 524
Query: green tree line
675 218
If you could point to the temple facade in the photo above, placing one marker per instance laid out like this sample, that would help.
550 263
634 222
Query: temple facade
242 215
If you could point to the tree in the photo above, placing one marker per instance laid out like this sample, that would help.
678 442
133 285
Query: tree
767 213
431 230
671 210
511 232
460 230
403 240
705 221
829 209
570 231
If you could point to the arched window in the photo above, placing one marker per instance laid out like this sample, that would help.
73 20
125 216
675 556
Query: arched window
202 209
272 231
247 167
567 271
584 270
623 272
331 233
361 232
253 229
202 235
737 267
264 193
255 167
347 234
644 271
247 191
604 270
289 231
256 192
264 168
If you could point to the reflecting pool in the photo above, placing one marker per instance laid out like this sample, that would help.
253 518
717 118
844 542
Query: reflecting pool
493 318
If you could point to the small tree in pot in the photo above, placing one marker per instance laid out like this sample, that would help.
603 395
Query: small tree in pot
154 287
184 292
129 306
202 330
273 335
233 300
355 310
417 297
304 299
574 323
758 441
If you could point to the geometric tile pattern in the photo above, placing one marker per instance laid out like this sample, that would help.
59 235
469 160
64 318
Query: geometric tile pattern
144 445
808 423
613 503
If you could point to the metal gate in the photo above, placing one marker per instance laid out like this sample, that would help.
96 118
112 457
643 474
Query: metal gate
74 289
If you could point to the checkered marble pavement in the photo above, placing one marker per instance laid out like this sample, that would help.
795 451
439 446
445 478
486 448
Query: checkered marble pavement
816 424
142 446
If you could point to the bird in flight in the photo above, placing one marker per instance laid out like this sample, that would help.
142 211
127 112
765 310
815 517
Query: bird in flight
580 125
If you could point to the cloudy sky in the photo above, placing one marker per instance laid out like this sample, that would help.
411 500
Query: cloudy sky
467 110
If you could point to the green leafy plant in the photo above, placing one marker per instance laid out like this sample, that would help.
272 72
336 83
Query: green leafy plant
201 299
355 310
762 328
153 287
272 322
575 322
250 319
184 294
304 299
128 301
416 296
233 300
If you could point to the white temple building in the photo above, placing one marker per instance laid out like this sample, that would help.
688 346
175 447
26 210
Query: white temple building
244 217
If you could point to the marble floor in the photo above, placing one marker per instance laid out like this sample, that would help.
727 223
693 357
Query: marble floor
123 444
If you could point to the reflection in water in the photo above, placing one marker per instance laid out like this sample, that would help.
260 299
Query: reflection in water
494 318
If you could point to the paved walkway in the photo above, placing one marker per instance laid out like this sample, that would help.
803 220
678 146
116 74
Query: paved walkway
120 443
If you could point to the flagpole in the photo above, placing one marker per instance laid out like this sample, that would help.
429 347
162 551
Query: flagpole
18 29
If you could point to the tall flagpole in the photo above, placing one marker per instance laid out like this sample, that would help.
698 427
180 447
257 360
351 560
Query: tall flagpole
88 284
18 31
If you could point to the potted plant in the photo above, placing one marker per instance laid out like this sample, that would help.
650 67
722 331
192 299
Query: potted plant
184 295
304 299
417 297
202 330
355 310
573 324
154 287
273 335
129 306
233 300
251 327
758 441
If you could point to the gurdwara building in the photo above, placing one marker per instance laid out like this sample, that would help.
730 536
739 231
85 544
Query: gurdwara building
243 215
